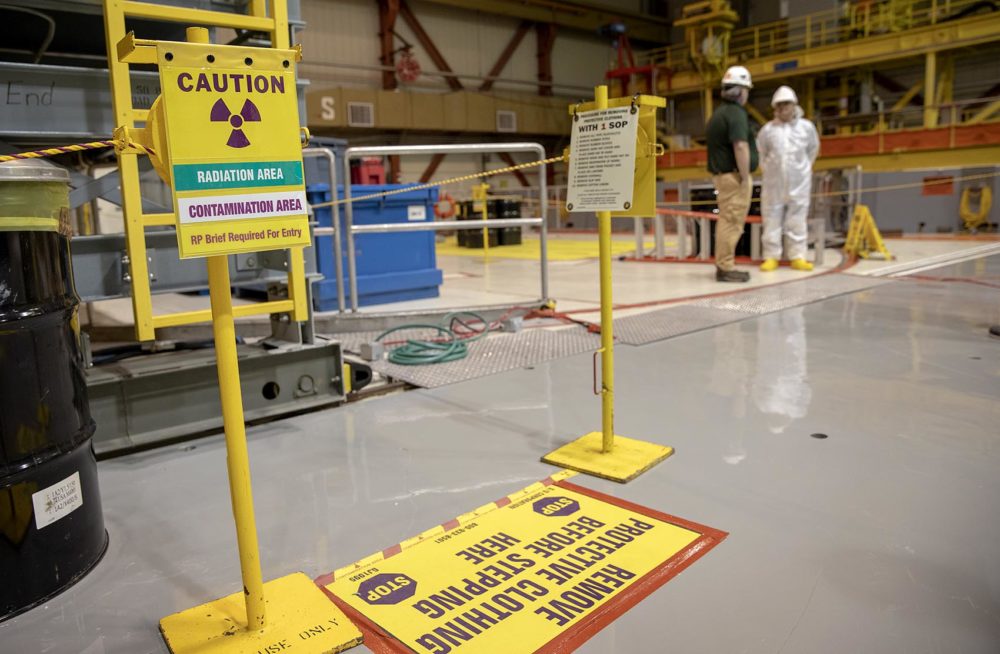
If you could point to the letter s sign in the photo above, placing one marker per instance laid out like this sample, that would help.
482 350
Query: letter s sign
327 111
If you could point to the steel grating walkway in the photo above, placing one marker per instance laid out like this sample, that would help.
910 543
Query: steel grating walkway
495 354
712 312
503 352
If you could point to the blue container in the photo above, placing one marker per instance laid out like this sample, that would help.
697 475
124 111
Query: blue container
390 267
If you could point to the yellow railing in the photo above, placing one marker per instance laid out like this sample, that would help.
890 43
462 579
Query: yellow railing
855 21
952 114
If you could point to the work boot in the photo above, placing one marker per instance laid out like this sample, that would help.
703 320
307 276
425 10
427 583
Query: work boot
801 264
731 275
769 265
995 330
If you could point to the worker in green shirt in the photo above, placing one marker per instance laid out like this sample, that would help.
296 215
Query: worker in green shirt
732 157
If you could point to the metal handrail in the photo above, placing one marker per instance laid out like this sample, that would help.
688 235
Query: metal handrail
466 148
817 29
380 228
884 123
334 231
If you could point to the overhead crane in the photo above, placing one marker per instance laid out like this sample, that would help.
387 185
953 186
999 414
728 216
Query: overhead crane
863 34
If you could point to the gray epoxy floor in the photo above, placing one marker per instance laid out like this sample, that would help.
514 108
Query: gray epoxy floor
880 538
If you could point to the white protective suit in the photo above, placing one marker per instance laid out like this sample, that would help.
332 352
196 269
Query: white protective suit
787 152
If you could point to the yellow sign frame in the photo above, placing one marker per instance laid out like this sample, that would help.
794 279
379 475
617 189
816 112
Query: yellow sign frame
646 151
267 16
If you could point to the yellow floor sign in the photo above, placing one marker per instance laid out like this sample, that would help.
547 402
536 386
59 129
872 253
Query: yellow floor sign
540 571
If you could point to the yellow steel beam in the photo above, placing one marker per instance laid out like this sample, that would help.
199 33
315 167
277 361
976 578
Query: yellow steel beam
871 50
945 81
875 163
930 78
983 114
755 114
907 97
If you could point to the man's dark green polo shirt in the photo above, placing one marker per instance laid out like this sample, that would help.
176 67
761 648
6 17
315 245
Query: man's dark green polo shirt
728 124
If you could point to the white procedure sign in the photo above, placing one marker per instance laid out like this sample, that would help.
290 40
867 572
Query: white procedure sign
602 160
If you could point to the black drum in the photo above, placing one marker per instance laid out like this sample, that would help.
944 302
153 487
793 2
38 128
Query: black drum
51 524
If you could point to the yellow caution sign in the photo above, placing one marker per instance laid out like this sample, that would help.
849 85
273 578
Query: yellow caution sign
546 568
233 147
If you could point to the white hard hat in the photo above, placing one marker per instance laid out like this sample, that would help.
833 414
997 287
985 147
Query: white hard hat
737 76
784 94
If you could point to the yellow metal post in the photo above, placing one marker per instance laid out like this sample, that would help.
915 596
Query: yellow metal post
930 78
607 336
295 604
810 108
479 198
843 104
237 459
708 103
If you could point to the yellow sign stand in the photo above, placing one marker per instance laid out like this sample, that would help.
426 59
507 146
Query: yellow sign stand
479 203
863 236
603 453
289 613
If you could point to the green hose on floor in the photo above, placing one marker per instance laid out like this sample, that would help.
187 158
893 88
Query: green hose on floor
453 347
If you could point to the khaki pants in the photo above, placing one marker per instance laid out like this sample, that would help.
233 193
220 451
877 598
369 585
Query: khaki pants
734 202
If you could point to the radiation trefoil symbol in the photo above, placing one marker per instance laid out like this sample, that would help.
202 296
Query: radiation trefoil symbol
248 114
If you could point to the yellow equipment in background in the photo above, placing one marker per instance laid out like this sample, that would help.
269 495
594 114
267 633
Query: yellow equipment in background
863 237
707 28
479 198
983 195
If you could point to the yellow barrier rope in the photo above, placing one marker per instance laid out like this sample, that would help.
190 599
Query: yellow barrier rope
51 152
444 182
97 145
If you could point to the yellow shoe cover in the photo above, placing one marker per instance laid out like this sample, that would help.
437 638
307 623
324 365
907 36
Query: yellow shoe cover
769 265
801 264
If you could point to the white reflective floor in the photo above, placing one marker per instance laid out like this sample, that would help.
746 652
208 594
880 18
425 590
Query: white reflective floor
882 537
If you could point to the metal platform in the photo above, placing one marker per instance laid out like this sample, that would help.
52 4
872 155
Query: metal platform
148 400
672 321
509 351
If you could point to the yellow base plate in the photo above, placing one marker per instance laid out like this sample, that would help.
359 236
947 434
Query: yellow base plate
629 458
301 619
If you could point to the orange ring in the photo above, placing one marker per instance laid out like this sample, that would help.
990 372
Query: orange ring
448 212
